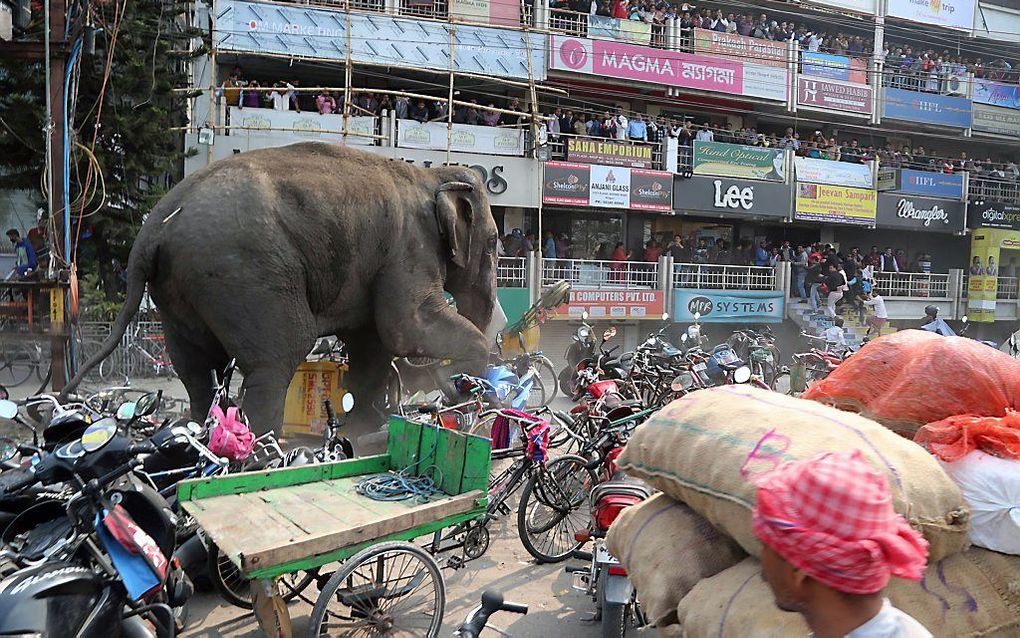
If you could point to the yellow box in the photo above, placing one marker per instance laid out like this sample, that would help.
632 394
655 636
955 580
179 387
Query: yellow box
315 381
527 340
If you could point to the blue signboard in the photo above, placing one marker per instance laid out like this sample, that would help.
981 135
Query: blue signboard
825 65
996 93
299 31
929 184
729 306
927 108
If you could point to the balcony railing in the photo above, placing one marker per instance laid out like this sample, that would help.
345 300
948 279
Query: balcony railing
912 284
722 277
511 272
590 273
994 189
577 24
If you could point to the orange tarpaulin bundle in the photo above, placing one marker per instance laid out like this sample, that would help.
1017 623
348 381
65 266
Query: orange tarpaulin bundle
953 438
913 377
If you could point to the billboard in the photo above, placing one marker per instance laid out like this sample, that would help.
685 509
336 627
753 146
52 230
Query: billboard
505 13
735 160
931 184
728 306
299 31
605 27
830 95
763 52
612 304
607 187
835 204
464 138
722 195
993 119
927 108
995 93
953 14
900 210
600 151
994 215
821 171
300 125
834 67
856 6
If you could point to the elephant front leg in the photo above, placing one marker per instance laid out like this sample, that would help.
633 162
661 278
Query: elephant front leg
367 379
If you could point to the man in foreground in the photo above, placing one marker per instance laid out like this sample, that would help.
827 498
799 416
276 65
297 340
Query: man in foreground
831 542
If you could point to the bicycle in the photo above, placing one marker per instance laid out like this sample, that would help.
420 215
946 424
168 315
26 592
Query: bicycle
122 365
19 360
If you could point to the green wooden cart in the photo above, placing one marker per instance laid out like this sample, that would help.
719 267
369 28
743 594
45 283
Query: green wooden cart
277 522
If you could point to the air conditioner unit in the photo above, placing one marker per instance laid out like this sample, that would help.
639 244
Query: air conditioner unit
956 85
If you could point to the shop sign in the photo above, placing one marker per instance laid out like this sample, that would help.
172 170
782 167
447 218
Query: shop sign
465 138
728 306
736 196
605 27
829 95
994 215
735 160
930 184
982 281
897 210
301 126
505 13
607 187
857 6
819 171
993 119
927 108
835 204
887 179
612 304
607 152
298 31
954 14
995 93
834 67
764 52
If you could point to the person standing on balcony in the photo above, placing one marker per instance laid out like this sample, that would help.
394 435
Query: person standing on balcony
552 124
419 112
594 126
549 247
279 97
251 96
705 134
761 254
800 267
326 103
24 255
637 130
401 106
621 125
618 262
580 128
888 262
718 22
620 9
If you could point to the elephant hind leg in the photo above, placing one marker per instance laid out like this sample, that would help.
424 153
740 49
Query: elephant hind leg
264 393
194 360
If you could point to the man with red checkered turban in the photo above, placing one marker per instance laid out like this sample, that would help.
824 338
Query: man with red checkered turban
831 542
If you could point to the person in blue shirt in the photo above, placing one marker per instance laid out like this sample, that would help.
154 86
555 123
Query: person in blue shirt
637 129
550 245
761 256
25 259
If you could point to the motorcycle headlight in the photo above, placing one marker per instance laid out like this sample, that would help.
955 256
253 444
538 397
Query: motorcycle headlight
582 333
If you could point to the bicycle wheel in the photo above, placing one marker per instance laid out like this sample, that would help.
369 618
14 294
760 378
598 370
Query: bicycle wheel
554 506
389 589
544 367
537 397
234 588
111 369
16 363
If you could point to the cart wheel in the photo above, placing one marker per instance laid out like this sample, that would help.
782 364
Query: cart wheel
387 589
554 506
476 541
234 588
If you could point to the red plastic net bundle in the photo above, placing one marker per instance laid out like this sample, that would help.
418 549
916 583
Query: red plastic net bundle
913 377
953 438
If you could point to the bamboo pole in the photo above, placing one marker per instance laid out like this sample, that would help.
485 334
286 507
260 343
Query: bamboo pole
348 71
449 100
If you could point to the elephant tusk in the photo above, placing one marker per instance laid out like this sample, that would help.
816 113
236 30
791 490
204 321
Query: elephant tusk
455 186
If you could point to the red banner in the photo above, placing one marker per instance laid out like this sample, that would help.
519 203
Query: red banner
612 304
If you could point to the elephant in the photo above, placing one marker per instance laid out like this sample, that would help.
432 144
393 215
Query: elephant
256 256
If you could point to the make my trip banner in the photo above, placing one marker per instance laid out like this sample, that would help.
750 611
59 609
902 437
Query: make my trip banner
728 306
835 204
612 304
607 187
596 151
996 93
735 160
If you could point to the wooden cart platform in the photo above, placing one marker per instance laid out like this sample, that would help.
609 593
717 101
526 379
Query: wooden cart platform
280 521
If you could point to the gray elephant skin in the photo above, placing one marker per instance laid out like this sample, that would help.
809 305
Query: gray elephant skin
256 256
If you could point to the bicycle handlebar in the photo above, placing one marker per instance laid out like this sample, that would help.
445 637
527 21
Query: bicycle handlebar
477 618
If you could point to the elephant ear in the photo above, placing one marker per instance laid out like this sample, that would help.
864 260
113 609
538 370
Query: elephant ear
454 215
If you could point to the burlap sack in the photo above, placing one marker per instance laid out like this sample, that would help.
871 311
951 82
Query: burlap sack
976 593
705 448
666 549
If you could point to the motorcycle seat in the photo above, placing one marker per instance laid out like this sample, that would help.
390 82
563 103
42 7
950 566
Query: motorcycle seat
621 484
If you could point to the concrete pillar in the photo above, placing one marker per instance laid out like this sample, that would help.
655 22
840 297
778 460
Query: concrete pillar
666 282
533 275
392 7
958 306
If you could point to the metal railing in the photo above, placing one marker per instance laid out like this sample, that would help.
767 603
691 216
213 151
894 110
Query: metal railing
576 24
724 277
994 189
558 146
511 272
591 273
912 284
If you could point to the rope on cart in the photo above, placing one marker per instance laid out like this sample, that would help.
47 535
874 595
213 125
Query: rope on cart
403 485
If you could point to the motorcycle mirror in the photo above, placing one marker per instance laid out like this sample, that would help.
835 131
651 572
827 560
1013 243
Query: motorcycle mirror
742 374
8 409
148 404
347 402
609 333
965 319
98 434
8 449
683 338
665 316
584 316
697 316
4 394
127 411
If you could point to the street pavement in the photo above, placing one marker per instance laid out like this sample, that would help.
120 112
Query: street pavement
554 608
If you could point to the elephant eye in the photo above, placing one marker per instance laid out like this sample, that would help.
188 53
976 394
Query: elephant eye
490 245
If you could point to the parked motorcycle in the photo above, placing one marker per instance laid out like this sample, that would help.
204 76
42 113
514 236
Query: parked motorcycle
581 347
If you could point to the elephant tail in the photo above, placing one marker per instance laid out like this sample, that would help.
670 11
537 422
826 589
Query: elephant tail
139 268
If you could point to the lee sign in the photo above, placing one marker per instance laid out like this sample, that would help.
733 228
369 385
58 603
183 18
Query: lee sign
613 304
